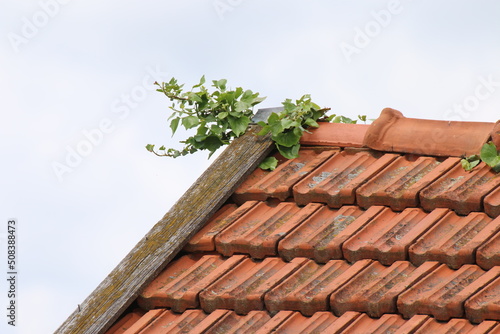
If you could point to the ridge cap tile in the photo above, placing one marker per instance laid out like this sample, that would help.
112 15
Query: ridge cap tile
393 132
336 134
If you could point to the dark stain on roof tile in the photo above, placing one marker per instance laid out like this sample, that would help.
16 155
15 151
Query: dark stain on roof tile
258 231
308 289
243 288
454 239
399 184
443 292
388 236
460 190
321 236
336 181
485 305
261 185
375 289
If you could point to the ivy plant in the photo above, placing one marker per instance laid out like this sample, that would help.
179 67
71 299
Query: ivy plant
224 114
489 155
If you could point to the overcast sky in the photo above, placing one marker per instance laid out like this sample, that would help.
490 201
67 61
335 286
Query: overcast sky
78 107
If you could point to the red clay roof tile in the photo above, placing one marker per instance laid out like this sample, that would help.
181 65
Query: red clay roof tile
259 230
485 305
375 289
392 132
459 326
389 235
124 324
204 239
454 239
399 184
243 288
388 323
460 190
297 323
495 135
308 289
336 181
488 255
179 290
321 236
232 323
492 203
336 134
443 292
261 185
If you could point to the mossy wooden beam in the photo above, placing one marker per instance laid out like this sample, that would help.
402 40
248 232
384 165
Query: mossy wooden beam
161 244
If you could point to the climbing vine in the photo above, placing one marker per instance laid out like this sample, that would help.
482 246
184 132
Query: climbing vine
219 116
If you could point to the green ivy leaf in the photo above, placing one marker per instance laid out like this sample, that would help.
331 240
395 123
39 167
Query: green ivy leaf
174 124
490 155
288 138
190 122
238 124
289 152
269 163
150 147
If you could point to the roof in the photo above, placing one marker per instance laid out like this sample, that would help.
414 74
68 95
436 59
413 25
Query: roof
373 229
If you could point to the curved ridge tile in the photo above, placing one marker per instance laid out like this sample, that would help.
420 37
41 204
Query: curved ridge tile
392 132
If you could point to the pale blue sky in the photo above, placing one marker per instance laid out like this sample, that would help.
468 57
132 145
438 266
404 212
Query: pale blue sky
71 67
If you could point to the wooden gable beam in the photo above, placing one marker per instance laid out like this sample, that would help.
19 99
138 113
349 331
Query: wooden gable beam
163 242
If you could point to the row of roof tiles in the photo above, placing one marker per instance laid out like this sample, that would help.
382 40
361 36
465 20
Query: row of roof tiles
319 232
288 322
366 178
242 284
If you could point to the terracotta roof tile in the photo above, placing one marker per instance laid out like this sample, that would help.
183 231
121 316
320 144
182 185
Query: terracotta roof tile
345 239
400 183
392 132
178 289
460 190
454 239
485 305
204 239
443 292
243 288
492 203
375 289
124 324
336 134
232 323
321 236
488 255
388 323
459 326
389 235
336 181
259 230
308 289
294 322
261 185
495 134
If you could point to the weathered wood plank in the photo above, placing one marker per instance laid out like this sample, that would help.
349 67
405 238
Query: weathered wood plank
160 245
